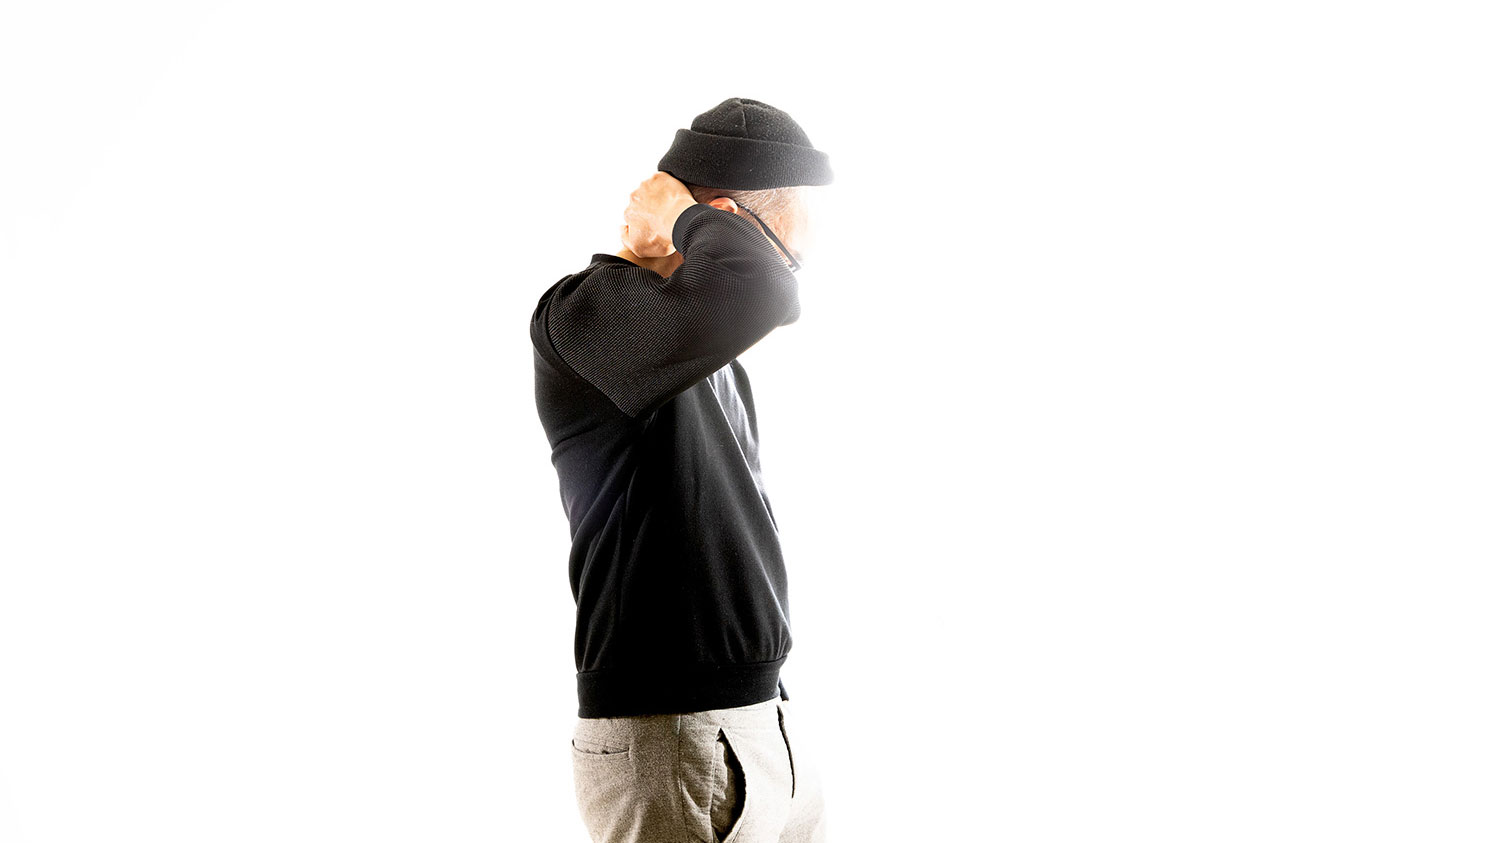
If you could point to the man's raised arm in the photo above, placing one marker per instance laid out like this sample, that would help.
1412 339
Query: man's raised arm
641 338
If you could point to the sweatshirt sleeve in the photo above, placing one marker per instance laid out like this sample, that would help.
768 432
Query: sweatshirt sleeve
640 338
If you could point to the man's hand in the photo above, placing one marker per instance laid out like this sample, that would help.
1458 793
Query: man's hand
653 210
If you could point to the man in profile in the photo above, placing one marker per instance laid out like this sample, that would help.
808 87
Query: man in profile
676 568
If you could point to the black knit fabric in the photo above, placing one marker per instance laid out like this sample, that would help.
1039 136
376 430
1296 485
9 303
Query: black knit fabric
745 144
676 567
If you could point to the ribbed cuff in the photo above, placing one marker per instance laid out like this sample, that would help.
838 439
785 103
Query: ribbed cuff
685 219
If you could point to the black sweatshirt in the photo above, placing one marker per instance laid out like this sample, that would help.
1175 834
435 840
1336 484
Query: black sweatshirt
675 566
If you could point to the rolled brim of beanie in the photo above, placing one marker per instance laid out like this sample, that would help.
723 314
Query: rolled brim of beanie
743 163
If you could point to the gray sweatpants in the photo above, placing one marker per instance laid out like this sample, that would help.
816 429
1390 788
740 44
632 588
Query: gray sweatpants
729 775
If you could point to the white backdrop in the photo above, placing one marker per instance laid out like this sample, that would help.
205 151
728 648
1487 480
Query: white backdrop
1135 453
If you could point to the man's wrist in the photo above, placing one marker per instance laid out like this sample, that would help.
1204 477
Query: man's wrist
674 214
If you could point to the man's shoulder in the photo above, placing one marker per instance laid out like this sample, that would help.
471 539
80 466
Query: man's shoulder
562 314
558 288
601 265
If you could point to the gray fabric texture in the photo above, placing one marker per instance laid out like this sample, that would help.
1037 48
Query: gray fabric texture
723 776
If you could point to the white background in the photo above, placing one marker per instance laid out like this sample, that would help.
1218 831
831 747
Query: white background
1135 454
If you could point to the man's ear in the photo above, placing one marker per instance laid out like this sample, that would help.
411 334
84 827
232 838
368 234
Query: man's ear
724 203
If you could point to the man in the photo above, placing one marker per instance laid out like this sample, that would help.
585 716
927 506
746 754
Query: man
682 625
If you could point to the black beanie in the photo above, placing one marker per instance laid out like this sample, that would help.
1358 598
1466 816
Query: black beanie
743 144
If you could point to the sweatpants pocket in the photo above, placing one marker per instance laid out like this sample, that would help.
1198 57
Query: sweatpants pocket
604 779
726 804
790 758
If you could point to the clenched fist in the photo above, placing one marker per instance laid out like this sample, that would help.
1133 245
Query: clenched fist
653 209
